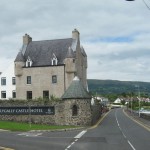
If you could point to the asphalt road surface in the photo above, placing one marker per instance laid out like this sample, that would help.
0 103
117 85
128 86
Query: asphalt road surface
115 132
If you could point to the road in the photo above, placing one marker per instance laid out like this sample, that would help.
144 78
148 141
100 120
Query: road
115 132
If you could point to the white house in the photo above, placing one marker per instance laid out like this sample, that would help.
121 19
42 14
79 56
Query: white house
8 83
118 100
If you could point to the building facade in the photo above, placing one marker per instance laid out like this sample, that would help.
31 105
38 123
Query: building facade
45 68
8 83
74 108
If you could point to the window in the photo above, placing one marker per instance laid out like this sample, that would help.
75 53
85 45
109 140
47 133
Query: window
74 110
3 94
54 79
54 62
3 81
54 59
29 94
46 94
13 81
13 94
29 62
28 79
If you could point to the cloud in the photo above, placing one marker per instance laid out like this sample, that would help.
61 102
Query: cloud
115 34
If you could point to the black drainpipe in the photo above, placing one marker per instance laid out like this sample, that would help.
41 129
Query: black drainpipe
64 79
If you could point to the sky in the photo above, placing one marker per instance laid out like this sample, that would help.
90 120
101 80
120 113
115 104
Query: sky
114 33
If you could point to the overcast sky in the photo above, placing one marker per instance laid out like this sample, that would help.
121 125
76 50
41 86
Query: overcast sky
114 33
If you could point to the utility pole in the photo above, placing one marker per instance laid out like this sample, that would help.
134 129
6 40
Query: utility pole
139 97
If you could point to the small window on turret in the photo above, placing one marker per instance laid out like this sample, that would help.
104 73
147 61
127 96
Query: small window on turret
74 110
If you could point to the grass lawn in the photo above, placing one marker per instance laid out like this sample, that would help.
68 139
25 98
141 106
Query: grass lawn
16 126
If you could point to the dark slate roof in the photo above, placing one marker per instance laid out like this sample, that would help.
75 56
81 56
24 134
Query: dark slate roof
76 91
83 51
19 57
41 52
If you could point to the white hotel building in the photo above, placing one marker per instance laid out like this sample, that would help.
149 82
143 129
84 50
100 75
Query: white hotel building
8 83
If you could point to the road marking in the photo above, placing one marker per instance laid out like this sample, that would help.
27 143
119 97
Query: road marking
117 120
80 134
131 145
137 121
30 134
122 131
72 143
5 148
76 140
124 135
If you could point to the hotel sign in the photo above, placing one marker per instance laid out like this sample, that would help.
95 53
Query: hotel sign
33 110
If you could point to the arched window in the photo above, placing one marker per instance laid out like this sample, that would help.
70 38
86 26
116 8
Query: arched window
74 110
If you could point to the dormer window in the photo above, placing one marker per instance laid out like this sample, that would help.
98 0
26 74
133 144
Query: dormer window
29 62
54 59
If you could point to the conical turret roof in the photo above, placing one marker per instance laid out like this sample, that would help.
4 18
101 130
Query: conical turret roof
70 53
19 57
76 91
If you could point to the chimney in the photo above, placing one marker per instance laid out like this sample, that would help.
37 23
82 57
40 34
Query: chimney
26 39
75 34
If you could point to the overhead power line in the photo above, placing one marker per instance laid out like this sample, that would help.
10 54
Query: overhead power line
143 2
146 4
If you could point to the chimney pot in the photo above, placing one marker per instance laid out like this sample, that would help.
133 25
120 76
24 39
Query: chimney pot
26 39
75 34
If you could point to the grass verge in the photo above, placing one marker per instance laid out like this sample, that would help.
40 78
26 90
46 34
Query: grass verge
16 126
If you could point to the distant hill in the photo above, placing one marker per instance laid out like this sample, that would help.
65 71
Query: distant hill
104 87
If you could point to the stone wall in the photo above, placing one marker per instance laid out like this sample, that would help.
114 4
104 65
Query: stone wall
86 116
145 116
96 113
39 119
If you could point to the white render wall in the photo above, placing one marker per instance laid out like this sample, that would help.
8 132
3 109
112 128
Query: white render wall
9 88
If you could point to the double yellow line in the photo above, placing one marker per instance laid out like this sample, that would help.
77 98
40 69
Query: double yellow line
147 127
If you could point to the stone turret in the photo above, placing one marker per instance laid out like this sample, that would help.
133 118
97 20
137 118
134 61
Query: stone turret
77 103
70 61
19 63
70 66
20 60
